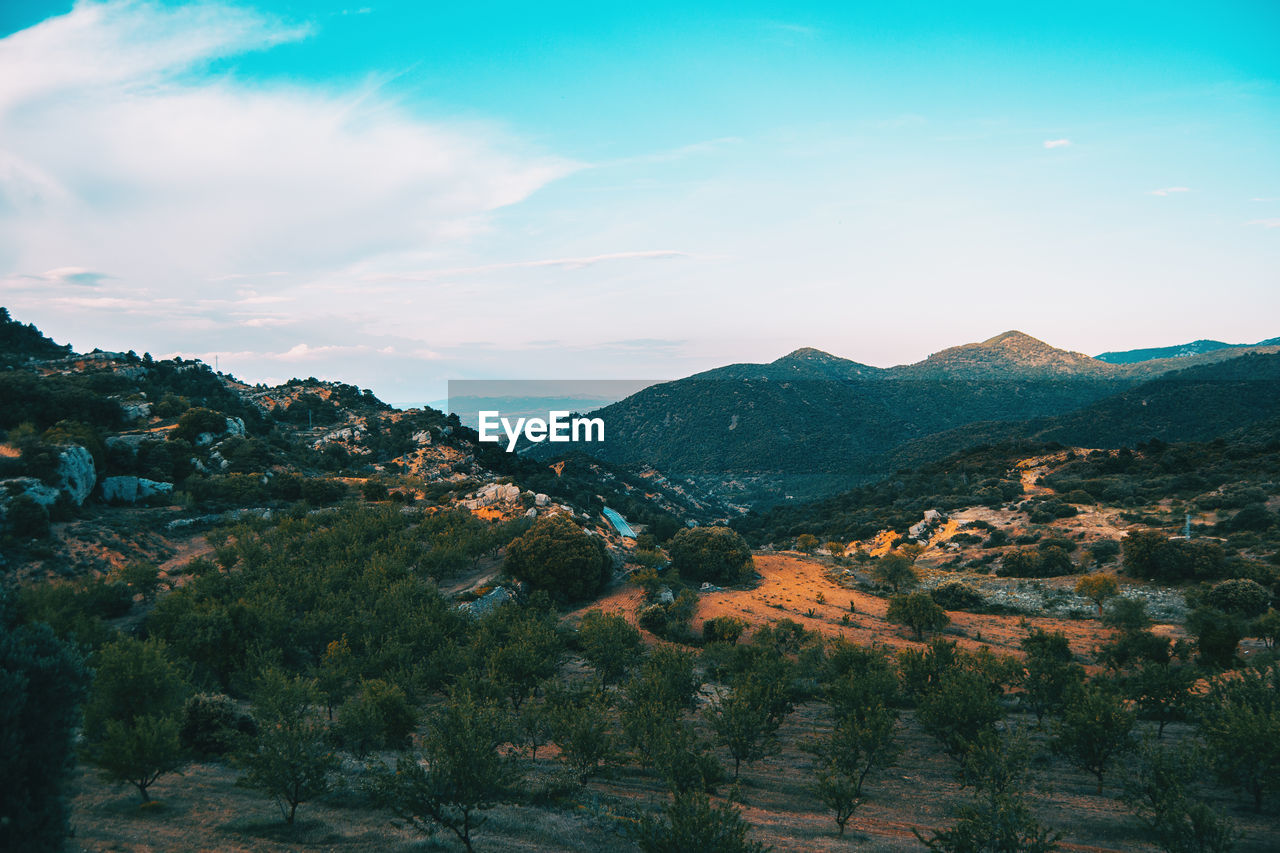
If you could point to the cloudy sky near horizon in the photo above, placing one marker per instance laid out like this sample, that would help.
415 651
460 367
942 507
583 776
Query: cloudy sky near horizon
397 194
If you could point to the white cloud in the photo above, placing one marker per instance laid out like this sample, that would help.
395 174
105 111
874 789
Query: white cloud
1265 223
115 154
1057 143
575 263
1164 191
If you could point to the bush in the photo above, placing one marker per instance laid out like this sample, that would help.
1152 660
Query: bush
212 725
918 612
378 717
27 519
559 557
715 554
957 595
1239 597
691 822
722 629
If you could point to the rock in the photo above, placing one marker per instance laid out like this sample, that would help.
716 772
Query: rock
76 474
540 499
532 513
666 596
130 490
136 411
44 495
486 604
235 426
421 438
708 586
129 441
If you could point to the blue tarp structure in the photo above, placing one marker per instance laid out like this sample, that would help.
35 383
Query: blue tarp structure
619 523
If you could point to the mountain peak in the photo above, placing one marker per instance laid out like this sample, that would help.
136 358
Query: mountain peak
1009 353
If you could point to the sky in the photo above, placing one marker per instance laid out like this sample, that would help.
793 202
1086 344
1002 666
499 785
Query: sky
402 193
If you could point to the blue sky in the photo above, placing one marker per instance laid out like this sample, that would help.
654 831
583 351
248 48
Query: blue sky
396 194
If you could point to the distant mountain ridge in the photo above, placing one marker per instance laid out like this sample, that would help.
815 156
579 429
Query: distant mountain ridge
1188 350
811 423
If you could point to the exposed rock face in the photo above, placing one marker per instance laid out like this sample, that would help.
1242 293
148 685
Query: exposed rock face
44 495
235 427
132 489
76 474
486 604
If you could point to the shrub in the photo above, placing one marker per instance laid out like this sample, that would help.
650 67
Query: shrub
722 629
1239 597
956 595
559 557
918 612
27 519
378 717
212 725
715 554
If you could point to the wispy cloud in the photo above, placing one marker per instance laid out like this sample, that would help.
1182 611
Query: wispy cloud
575 263
1166 191
119 154
1057 143
1265 223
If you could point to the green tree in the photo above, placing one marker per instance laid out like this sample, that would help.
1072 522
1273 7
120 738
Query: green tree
962 707
43 680
1095 730
610 644
461 773
1239 597
1098 587
715 554
131 719
337 674
896 571
379 716
557 556
919 612
997 818
289 760
862 739
1240 721
1161 787
747 717
1050 673
806 542
690 822
582 728
521 648
1217 634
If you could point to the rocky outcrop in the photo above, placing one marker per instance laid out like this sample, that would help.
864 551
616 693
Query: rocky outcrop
235 427
44 495
76 474
130 489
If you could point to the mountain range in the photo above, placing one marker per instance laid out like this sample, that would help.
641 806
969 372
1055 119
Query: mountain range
811 423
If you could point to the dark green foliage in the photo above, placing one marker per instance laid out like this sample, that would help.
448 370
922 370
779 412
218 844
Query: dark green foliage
1239 597
919 612
289 760
610 644
1162 786
1045 561
581 726
379 716
1152 555
519 647
747 716
212 726
1094 729
655 696
1051 672
722 629
1126 614
1240 721
295 584
862 739
962 707
997 819
1217 634
460 773
27 519
895 571
132 717
42 683
1104 551
690 822
21 341
559 557
957 595
197 421
715 554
